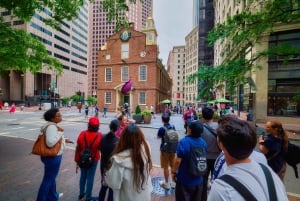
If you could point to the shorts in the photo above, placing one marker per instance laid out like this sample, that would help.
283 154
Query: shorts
167 160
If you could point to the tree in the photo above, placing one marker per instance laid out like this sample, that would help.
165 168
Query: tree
116 11
21 51
240 33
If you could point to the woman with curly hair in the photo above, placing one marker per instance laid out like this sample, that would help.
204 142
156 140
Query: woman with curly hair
274 145
129 174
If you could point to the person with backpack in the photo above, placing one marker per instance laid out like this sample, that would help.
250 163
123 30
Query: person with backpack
190 164
210 137
167 149
87 156
244 178
274 146
107 146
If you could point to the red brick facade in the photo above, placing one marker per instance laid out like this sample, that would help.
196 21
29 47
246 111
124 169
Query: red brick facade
156 86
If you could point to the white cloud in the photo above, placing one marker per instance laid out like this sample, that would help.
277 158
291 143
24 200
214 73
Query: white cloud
173 21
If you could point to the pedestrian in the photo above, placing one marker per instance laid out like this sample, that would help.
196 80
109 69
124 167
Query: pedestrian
54 133
123 120
79 106
86 110
237 139
210 137
107 146
96 111
92 138
152 111
129 174
220 164
104 111
274 145
188 187
6 105
166 158
12 108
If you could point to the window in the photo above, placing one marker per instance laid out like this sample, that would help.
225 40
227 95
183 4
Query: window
125 51
142 98
143 73
108 74
108 97
125 74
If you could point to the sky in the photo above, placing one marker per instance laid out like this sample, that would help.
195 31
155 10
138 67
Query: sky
173 22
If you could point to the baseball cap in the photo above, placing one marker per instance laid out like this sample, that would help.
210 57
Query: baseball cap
94 121
196 128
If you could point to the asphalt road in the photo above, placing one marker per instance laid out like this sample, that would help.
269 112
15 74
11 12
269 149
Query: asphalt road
27 125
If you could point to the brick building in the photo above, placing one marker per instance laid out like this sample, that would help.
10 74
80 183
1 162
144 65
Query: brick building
132 55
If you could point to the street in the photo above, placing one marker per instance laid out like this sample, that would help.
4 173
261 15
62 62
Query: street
27 125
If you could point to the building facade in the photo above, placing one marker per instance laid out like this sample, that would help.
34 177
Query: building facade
277 82
191 89
131 55
69 45
176 70
100 30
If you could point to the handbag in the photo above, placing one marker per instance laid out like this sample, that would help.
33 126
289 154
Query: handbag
40 147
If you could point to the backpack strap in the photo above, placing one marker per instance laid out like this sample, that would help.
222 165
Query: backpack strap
210 129
270 182
239 187
86 144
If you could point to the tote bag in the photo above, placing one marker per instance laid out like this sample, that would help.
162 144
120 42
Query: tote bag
40 147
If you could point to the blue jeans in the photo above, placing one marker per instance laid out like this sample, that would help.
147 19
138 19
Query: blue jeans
86 182
47 191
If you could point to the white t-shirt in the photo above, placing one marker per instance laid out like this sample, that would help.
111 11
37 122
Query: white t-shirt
252 177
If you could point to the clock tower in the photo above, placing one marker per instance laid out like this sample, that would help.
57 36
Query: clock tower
150 31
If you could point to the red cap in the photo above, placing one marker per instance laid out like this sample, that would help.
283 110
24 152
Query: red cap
94 121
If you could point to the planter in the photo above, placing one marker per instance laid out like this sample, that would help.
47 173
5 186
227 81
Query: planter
138 118
147 119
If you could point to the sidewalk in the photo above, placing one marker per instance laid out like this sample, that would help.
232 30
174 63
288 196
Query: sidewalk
22 172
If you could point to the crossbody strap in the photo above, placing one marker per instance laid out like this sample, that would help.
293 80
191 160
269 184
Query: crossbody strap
86 144
239 187
210 130
270 182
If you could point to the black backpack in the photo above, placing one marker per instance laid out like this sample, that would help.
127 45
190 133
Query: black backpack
86 159
197 165
292 157
171 139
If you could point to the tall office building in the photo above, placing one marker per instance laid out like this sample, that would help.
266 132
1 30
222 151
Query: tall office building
100 30
69 45
195 13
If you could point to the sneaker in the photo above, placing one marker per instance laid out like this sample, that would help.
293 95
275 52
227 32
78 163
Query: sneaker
173 185
81 198
60 195
164 185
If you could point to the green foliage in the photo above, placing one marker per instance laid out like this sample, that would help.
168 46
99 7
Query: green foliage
238 35
146 112
21 51
76 98
137 110
91 100
116 11
65 100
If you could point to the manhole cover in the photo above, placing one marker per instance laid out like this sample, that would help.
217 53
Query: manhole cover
158 190
13 124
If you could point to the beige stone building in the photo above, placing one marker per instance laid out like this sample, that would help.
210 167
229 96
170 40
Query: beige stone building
270 91
176 70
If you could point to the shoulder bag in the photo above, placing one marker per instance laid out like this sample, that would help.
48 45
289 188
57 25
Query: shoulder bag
40 147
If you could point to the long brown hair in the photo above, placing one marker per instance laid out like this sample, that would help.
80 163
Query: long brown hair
281 133
133 138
